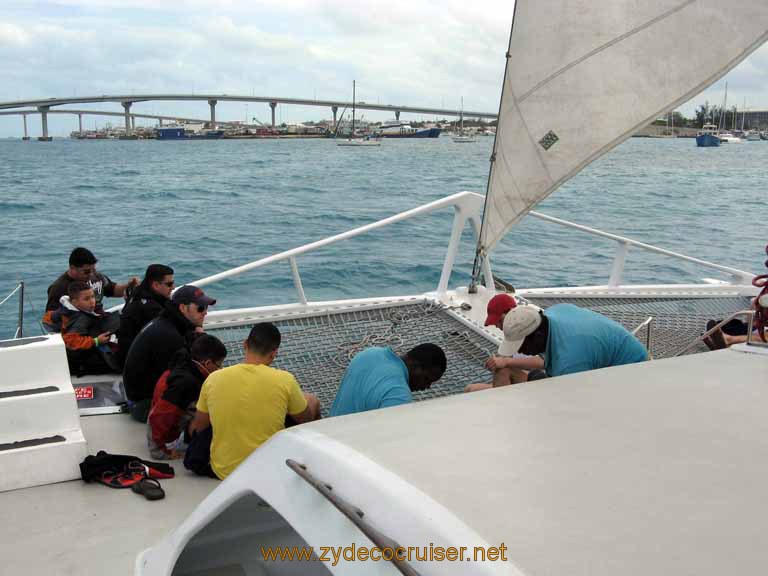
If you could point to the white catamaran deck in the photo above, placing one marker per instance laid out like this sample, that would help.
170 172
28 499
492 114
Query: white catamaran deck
74 528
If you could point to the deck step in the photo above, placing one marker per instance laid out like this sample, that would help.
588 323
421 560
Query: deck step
43 463
40 437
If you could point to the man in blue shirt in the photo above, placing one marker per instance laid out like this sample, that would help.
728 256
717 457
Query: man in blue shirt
564 339
379 378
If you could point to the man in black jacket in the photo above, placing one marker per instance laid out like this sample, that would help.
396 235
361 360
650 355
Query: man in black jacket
144 305
153 348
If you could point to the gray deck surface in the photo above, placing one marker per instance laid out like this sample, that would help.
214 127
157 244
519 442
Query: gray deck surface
74 528
657 468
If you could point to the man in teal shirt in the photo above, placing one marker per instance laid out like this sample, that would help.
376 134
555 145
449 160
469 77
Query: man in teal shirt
563 339
379 378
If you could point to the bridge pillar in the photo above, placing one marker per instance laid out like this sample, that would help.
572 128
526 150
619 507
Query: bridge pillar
334 109
26 135
80 123
161 121
212 104
44 117
273 105
397 115
133 123
127 108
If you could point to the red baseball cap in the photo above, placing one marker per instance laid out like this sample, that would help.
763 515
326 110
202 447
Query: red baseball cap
497 306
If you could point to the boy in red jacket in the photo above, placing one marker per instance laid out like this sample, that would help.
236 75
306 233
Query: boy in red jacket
176 394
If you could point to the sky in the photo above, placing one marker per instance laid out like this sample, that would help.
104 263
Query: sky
409 52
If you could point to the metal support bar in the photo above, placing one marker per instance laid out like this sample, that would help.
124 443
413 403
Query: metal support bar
297 280
749 313
355 515
486 263
20 329
739 275
617 271
453 247
647 322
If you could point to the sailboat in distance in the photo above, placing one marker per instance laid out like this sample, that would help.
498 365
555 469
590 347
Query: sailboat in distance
462 138
353 140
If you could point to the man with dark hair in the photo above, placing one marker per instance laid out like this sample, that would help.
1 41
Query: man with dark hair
82 268
144 305
242 406
153 348
176 393
379 378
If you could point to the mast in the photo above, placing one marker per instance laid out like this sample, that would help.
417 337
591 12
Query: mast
461 118
480 253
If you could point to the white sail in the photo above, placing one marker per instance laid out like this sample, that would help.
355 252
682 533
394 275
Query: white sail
583 75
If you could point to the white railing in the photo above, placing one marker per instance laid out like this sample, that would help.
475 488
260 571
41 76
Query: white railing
20 326
623 244
468 207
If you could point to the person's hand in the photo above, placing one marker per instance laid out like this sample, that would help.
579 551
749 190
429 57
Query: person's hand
495 363
104 338
199 330
133 282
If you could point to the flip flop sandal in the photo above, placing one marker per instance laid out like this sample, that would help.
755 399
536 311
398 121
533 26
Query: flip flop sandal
150 471
149 488
121 480
715 341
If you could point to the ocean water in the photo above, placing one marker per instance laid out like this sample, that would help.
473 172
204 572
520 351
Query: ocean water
205 206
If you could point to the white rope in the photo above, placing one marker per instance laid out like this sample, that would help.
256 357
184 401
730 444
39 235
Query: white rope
11 294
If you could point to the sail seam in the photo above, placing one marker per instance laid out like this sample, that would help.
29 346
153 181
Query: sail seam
599 49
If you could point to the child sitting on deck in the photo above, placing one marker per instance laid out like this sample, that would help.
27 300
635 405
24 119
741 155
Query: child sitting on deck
176 393
86 333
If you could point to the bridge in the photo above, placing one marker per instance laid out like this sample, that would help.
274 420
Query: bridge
43 107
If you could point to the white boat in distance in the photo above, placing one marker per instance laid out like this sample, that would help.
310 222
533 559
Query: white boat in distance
652 468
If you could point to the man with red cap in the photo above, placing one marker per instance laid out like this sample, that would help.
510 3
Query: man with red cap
564 339
505 370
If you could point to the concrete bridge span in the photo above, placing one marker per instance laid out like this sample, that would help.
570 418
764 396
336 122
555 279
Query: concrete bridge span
43 106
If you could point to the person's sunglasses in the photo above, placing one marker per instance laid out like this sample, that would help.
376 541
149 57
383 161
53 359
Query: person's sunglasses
170 284
201 308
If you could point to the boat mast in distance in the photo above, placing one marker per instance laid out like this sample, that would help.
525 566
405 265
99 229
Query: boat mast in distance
462 138
352 140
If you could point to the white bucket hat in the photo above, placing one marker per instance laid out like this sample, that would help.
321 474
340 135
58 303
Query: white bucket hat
519 322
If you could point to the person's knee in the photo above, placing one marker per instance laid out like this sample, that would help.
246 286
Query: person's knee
477 387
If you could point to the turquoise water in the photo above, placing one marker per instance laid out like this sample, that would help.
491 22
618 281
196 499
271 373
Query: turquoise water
203 207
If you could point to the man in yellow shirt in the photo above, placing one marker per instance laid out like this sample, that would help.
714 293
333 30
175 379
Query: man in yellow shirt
242 406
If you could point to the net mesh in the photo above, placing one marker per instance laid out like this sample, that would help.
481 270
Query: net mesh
317 349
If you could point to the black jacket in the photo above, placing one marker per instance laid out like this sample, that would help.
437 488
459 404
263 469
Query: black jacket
184 382
145 306
152 350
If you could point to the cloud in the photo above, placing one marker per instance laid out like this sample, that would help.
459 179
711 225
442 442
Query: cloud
424 52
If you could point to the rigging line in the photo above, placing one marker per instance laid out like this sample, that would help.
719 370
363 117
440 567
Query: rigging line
38 318
18 287
599 49
476 263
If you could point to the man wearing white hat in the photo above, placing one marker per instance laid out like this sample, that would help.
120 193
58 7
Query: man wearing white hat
564 339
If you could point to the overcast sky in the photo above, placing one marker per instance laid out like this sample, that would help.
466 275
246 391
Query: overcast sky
410 52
